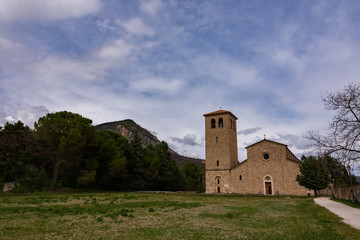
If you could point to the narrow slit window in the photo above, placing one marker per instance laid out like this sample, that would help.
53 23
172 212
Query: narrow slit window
217 163
217 139
240 177
218 180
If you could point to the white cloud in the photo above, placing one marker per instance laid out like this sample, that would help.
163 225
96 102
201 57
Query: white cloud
106 24
243 76
136 26
189 139
150 7
234 72
158 85
10 119
14 112
10 51
94 67
248 131
6 44
66 69
45 10
287 58
294 141
31 114
115 51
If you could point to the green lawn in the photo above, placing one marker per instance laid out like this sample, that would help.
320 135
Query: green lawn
165 216
348 202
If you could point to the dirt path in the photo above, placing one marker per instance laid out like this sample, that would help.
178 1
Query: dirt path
349 214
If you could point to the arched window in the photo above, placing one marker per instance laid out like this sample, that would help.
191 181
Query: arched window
217 180
221 123
213 123
217 163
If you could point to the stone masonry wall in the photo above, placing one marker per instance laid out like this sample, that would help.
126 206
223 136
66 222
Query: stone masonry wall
343 192
282 171
212 183
221 143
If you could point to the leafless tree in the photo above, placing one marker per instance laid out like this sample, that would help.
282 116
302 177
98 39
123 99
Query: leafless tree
342 139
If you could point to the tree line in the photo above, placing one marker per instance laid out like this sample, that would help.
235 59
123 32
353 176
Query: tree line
64 150
318 173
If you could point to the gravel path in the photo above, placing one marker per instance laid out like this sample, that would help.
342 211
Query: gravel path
349 214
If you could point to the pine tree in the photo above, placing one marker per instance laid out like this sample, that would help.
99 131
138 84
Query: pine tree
314 174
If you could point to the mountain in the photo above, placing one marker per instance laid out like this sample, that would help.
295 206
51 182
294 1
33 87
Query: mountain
128 128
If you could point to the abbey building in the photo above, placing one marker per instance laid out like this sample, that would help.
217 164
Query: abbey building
270 168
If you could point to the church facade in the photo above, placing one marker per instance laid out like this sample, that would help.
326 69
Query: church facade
270 168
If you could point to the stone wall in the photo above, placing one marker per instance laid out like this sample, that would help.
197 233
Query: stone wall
281 170
343 192
218 181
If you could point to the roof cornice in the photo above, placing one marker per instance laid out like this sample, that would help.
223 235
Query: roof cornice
219 112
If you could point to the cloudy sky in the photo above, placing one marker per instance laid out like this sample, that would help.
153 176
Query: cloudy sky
164 63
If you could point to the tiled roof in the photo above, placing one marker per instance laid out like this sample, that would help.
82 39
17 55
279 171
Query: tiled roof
219 112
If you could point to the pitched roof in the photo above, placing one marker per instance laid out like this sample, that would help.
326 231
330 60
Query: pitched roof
219 112
267 141
289 155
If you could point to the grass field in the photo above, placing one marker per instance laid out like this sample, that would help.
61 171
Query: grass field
165 216
348 202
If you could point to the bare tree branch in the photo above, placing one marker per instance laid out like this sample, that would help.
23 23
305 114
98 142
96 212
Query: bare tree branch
342 138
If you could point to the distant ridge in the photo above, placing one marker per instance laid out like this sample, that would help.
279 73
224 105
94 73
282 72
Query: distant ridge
129 129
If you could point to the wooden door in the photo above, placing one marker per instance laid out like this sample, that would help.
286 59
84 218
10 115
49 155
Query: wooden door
268 188
218 189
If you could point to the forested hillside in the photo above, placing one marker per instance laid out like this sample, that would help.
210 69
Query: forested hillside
65 151
129 129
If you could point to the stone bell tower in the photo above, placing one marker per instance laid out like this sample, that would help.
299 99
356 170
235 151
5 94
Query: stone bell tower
220 150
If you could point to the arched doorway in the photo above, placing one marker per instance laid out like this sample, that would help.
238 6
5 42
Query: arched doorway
217 184
268 185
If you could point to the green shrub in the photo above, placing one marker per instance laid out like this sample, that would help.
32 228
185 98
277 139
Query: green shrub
87 179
